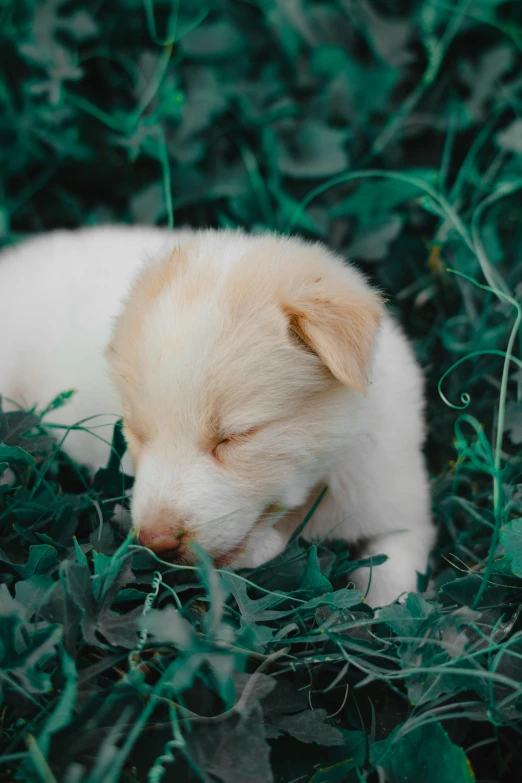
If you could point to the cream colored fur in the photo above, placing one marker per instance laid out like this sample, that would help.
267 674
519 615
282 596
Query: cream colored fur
249 372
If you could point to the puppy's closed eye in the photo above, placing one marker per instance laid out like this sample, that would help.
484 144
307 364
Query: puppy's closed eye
230 441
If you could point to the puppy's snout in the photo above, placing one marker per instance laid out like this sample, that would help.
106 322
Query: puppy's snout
164 534
162 542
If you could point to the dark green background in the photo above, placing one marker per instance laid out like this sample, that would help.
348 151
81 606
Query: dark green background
392 130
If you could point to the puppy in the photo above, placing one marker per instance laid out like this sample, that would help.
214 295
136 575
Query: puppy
250 371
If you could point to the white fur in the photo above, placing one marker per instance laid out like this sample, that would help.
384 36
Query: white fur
60 293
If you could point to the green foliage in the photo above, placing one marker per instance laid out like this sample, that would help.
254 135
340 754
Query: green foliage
425 754
391 130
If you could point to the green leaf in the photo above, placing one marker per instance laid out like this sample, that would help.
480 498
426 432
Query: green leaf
235 753
313 150
102 565
314 581
410 618
59 401
14 455
31 592
111 572
62 713
42 559
289 207
513 422
94 597
484 78
80 556
373 242
148 206
25 648
111 481
310 726
328 61
341 599
213 40
356 743
424 754
215 589
511 539
18 428
374 198
285 573
510 139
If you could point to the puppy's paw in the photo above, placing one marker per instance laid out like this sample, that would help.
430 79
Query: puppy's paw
407 552
264 545
384 584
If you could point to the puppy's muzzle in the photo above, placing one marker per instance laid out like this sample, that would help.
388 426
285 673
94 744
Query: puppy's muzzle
164 534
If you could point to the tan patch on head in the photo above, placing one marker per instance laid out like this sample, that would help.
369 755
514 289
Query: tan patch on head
174 277
123 351
330 309
341 330
155 277
126 351
151 281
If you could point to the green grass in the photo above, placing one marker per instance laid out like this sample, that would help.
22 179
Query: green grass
391 130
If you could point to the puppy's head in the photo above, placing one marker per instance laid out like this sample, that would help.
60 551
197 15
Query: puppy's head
241 364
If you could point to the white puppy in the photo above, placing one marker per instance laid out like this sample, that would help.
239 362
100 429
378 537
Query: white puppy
249 370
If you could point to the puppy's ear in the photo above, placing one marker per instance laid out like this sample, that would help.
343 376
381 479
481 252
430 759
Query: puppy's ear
340 326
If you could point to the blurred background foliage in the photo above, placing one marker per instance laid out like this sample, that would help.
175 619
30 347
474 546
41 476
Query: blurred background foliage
392 130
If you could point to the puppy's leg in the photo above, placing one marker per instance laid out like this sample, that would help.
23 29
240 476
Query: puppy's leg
407 554
383 499
264 544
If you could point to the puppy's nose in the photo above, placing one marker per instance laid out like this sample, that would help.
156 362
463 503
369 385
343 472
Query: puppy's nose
164 543
163 530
